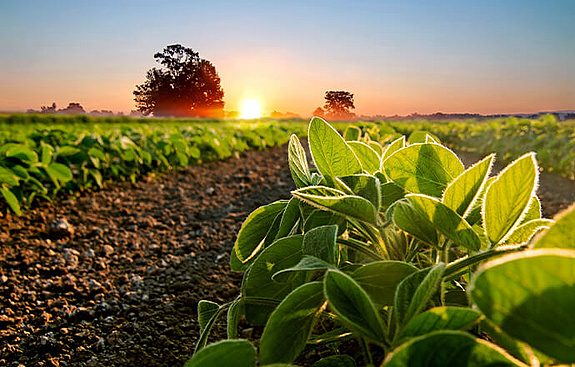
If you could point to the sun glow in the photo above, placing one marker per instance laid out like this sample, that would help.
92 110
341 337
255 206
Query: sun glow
251 109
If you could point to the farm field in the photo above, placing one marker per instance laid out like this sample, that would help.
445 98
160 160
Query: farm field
119 283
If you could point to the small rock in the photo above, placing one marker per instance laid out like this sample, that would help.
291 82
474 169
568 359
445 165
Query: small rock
61 228
209 190
95 286
108 250
89 253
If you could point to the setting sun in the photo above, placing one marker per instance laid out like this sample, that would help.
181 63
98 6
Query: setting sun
251 109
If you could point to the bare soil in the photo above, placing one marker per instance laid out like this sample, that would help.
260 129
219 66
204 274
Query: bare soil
113 278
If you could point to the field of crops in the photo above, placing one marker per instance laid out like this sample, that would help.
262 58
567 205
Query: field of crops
41 156
553 141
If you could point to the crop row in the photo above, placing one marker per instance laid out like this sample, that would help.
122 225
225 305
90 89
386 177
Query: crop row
49 159
421 260
553 141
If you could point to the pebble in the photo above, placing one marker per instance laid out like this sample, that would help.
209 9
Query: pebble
108 250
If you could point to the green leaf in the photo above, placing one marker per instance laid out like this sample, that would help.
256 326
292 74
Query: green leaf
462 193
414 222
23 153
331 154
423 168
282 254
206 311
368 157
46 154
335 361
289 218
516 348
254 229
531 296
449 348
440 318
338 202
320 242
534 211
526 231
319 218
298 163
562 233
377 148
8 177
59 172
227 353
207 314
291 323
19 171
390 193
233 318
507 198
353 306
352 133
420 136
414 293
11 200
67 150
306 264
363 185
446 221
380 279
393 147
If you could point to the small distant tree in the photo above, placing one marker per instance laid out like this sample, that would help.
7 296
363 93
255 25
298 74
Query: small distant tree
187 85
74 108
48 109
338 105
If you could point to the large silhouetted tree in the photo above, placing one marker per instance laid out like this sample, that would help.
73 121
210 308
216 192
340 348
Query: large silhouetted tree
338 105
187 85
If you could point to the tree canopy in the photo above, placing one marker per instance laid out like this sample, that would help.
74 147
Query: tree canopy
338 105
186 85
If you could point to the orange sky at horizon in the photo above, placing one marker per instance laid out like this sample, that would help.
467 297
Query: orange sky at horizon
397 59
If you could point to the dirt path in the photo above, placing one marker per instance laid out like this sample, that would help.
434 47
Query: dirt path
120 286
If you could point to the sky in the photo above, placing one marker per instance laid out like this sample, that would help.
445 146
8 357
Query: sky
396 57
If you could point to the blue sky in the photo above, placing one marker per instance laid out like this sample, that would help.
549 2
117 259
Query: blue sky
396 57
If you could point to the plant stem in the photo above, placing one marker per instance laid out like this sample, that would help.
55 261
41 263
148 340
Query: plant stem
366 352
359 247
455 267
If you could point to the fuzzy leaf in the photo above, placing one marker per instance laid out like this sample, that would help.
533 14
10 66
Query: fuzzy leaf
298 163
227 353
446 221
290 325
380 279
282 254
393 147
423 168
414 293
461 193
449 348
331 154
254 229
414 222
338 202
353 306
507 198
531 296
562 233
440 318
368 157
